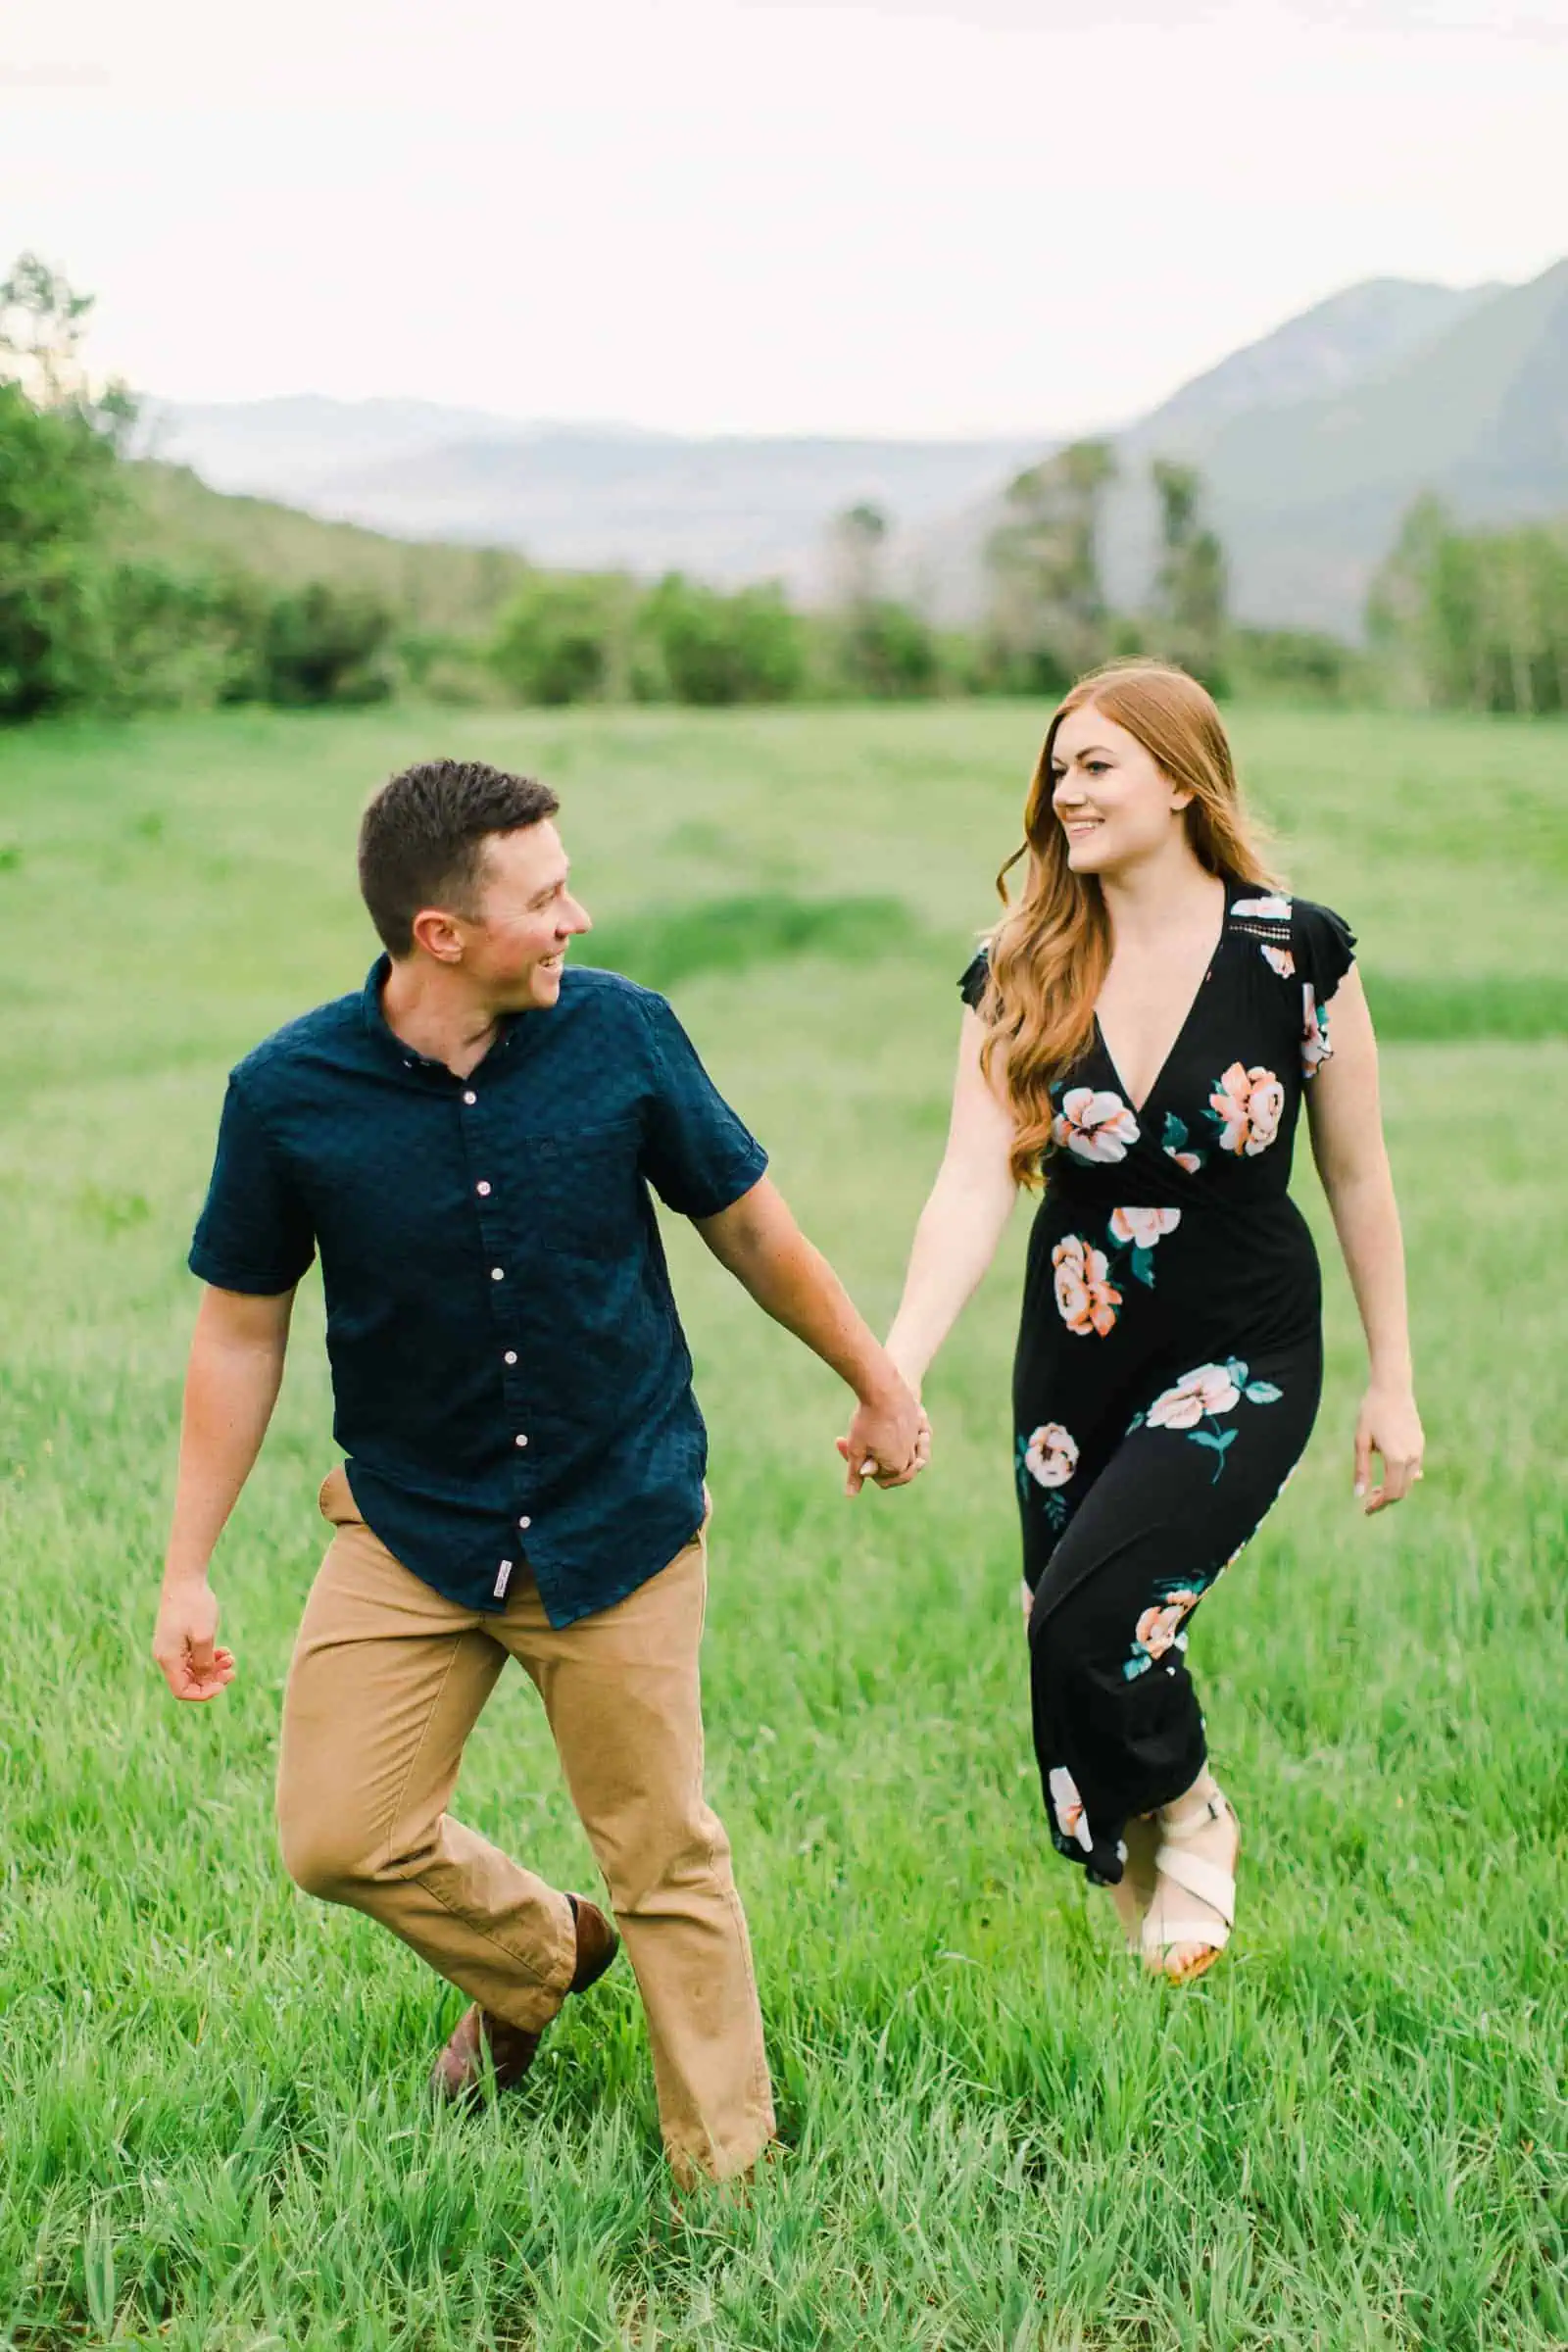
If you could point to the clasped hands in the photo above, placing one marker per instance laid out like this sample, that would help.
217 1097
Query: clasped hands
889 1439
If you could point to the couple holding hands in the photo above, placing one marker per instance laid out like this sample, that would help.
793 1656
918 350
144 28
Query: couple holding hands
469 1143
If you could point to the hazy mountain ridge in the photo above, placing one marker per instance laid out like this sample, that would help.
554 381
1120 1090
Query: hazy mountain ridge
1313 439
727 509
1308 497
1344 341
1459 391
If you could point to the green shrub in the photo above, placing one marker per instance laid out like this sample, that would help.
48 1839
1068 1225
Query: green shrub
697 645
328 644
888 650
58 484
1302 664
558 639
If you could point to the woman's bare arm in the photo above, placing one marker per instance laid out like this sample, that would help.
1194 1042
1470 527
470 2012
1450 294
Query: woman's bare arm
1347 1128
963 1218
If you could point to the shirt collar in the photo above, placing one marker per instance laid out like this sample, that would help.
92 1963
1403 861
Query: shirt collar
375 1020
387 1038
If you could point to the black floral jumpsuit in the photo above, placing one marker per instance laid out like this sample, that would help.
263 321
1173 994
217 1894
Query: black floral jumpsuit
1168 1363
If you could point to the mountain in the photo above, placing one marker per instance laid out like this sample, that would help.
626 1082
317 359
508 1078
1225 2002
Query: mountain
1342 341
1306 493
1312 440
728 510
1304 569
295 447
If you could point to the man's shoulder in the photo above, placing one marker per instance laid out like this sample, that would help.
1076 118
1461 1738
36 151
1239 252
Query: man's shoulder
609 997
326 1034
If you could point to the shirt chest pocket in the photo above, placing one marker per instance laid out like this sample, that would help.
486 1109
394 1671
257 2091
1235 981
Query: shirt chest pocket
582 1192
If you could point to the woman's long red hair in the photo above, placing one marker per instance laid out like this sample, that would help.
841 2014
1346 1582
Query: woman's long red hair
1050 952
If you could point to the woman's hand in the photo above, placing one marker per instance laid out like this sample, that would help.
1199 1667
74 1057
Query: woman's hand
889 1441
1389 1425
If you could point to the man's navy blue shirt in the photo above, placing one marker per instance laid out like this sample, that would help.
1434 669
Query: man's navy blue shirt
510 1375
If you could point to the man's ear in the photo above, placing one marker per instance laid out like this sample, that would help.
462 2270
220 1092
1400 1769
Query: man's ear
438 934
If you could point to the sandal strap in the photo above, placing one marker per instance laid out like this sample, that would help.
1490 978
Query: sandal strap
1211 1885
1193 1824
1215 1934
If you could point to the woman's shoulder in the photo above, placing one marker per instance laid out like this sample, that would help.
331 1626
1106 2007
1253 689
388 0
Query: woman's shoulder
1297 936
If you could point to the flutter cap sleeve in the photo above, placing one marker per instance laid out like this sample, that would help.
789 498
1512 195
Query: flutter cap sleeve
972 981
1324 947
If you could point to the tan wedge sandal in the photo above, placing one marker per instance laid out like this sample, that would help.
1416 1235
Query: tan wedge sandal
1168 1924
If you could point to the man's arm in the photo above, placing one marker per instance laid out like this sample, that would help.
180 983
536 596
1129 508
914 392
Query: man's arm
758 1241
231 1384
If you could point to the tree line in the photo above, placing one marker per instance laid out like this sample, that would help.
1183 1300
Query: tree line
1474 621
87 623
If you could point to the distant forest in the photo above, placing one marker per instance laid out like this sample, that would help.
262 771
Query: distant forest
126 585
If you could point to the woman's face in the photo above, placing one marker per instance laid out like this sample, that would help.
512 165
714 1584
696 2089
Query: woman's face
1115 805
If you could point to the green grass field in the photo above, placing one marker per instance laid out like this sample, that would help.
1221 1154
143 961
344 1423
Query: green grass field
213 2130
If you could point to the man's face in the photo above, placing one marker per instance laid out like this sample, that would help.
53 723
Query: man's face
514 945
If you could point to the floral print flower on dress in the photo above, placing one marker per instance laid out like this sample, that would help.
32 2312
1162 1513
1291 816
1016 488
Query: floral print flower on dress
1143 1227
1249 1105
1051 1454
1315 1046
1068 1808
1279 959
1204 1394
1208 1390
1270 910
1131 1235
1177 1145
1086 1298
1094 1124
1159 1628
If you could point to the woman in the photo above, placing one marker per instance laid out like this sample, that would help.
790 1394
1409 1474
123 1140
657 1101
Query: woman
1143 1029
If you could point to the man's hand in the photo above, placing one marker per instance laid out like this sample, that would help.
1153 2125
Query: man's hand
186 1642
889 1439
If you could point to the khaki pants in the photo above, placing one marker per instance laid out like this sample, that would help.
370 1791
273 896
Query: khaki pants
387 1681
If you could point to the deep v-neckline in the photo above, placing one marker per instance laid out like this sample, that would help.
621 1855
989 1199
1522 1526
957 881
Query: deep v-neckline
1152 1090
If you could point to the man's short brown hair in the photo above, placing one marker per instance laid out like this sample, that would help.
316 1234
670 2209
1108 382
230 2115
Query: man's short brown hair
421 839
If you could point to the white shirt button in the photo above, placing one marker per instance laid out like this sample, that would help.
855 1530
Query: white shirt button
520 1439
511 1357
471 1095
498 1273
483 1189
526 1523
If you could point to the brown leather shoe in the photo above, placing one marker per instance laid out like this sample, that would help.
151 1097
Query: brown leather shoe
484 2041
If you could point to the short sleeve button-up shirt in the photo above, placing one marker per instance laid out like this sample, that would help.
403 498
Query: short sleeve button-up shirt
509 1376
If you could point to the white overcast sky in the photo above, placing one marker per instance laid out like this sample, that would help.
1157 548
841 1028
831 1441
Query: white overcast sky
901 217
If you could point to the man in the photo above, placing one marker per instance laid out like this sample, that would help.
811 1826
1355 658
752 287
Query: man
468 1145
